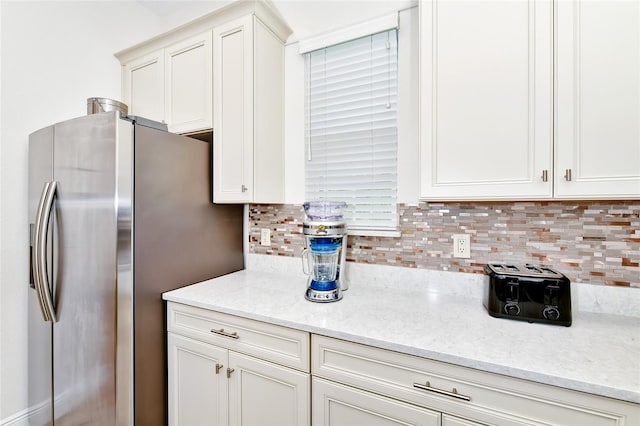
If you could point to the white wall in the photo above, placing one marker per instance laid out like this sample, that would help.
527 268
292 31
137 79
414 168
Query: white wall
54 56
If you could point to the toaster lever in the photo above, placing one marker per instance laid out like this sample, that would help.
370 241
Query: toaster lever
513 291
551 293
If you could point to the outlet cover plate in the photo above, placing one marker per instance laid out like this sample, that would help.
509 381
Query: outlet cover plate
265 237
462 246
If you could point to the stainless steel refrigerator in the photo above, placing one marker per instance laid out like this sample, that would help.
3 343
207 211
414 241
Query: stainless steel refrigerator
119 213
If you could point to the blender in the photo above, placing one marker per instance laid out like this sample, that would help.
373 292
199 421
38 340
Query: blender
323 258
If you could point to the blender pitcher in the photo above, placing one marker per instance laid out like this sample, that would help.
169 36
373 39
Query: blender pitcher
320 262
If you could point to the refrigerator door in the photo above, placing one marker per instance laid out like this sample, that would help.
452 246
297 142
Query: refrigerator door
180 238
39 343
84 336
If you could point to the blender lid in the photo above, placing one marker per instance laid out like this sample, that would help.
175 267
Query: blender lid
331 210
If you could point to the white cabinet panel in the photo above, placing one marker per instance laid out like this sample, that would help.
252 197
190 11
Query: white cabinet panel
486 99
144 86
270 342
188 84
455 421
173 85
262 393
233 106
197 382
268 148
598 99
335 404
248 113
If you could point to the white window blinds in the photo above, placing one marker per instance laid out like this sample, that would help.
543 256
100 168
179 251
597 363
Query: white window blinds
351 129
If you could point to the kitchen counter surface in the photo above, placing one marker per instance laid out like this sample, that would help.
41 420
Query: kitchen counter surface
599 353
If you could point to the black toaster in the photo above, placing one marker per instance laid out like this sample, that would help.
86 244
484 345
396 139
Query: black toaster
528 293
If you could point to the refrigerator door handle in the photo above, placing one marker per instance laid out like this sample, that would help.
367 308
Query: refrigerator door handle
36 253
41 276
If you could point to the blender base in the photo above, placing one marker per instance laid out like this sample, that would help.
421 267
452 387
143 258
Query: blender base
323 296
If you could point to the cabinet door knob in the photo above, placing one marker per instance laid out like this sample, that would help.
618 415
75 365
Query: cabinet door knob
218 368
244 188
545 175
229 371
567 175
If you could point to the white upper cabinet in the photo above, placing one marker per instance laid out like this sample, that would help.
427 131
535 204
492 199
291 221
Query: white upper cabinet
222 72
486 99
173 85
248 118
504 117
144 86
598 99
188 81
233 103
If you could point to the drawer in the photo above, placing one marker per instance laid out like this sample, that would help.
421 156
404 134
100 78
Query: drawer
473 394
270 342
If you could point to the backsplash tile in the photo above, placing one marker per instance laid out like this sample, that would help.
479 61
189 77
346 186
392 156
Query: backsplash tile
591 242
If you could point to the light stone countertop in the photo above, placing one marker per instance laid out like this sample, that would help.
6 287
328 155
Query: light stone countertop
599 353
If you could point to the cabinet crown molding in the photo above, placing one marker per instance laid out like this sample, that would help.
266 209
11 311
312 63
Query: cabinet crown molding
263 9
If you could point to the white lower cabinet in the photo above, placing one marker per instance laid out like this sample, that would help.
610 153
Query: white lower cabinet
229 370
382 383
197 382
212 383
263 393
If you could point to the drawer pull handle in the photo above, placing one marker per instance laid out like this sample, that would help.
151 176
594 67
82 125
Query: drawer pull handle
218 368
454 393
221 332
229 371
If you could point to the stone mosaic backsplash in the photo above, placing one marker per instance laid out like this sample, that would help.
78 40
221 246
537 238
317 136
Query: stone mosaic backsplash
590 242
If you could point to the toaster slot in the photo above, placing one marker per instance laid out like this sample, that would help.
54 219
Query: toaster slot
533 269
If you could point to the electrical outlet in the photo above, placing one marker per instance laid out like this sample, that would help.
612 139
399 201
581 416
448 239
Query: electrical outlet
462 246
265 237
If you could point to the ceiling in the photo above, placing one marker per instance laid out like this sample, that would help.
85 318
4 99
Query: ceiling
305 17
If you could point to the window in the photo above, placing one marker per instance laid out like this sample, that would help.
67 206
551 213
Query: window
351 129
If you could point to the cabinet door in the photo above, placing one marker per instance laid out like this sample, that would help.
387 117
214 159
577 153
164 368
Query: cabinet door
598 99
197 382
233 111
448 420
144 86
188 82
486 99
262 393
335 404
